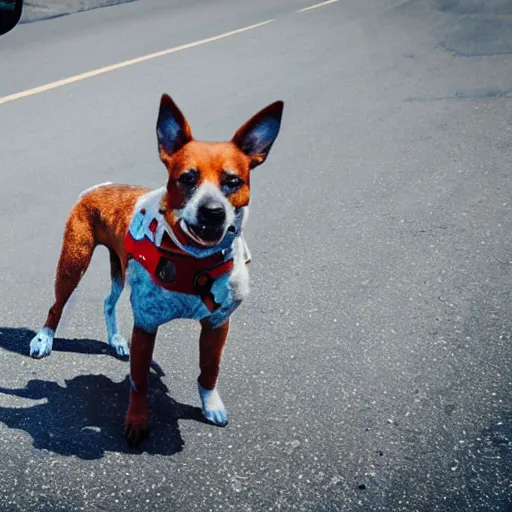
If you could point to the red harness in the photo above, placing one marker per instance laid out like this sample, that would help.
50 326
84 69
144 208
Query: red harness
175 270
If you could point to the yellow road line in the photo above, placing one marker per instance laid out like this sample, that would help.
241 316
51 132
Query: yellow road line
316 6
124 64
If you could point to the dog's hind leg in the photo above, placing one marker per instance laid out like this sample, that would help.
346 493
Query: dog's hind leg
115 340
76 253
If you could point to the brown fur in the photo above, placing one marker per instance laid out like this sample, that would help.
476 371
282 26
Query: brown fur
141 354
211 345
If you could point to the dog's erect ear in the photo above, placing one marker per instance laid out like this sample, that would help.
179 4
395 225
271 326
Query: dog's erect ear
256 136
172 129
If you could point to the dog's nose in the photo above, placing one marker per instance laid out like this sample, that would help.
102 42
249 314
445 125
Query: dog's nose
211 213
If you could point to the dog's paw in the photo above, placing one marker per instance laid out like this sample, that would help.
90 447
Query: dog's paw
136 429
119 345
213 408
42 343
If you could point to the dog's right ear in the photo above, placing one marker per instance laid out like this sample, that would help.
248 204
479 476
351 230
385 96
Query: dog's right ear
256 136
172 129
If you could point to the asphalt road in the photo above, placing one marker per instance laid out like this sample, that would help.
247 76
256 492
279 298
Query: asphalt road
371 367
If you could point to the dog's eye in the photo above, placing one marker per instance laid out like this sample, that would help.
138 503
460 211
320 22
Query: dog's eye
189 179
232 182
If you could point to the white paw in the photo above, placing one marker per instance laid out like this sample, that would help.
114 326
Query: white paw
120 346
213 408
42 343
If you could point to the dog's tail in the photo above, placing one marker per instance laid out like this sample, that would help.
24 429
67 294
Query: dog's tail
94 187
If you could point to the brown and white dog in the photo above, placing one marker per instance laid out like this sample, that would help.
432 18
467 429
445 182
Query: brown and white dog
180 248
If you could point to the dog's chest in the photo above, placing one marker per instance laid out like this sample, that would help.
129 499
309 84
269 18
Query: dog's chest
154 305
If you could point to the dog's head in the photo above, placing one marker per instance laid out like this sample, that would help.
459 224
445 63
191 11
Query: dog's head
209 182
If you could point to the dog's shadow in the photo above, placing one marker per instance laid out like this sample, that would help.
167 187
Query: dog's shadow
85 417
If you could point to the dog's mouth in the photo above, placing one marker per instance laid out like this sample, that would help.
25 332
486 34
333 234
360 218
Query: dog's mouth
208 236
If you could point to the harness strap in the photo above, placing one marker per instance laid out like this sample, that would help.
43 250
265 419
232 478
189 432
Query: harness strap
178 272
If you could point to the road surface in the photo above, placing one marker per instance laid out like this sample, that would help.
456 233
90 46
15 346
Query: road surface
371 367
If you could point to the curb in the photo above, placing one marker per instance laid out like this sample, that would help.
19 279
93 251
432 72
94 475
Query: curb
38 10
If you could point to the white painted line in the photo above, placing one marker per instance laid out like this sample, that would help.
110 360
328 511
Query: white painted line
316 6
124 64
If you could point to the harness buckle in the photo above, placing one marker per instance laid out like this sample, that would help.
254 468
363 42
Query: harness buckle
203 282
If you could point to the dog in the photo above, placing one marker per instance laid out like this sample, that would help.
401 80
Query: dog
180 248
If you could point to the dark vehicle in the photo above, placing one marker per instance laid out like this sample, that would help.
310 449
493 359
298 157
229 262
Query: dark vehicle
10 14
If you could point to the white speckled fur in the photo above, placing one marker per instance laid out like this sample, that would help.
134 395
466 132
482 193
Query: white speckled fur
42 343
115 340
213 407
239 278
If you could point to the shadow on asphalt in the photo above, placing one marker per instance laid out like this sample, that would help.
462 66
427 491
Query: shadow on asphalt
85 417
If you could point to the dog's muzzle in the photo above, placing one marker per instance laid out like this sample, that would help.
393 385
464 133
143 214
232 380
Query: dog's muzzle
211 219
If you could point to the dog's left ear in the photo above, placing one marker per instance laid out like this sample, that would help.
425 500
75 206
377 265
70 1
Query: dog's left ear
256 136
172 129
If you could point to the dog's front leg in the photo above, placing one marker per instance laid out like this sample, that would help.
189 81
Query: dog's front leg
211 344
141 354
